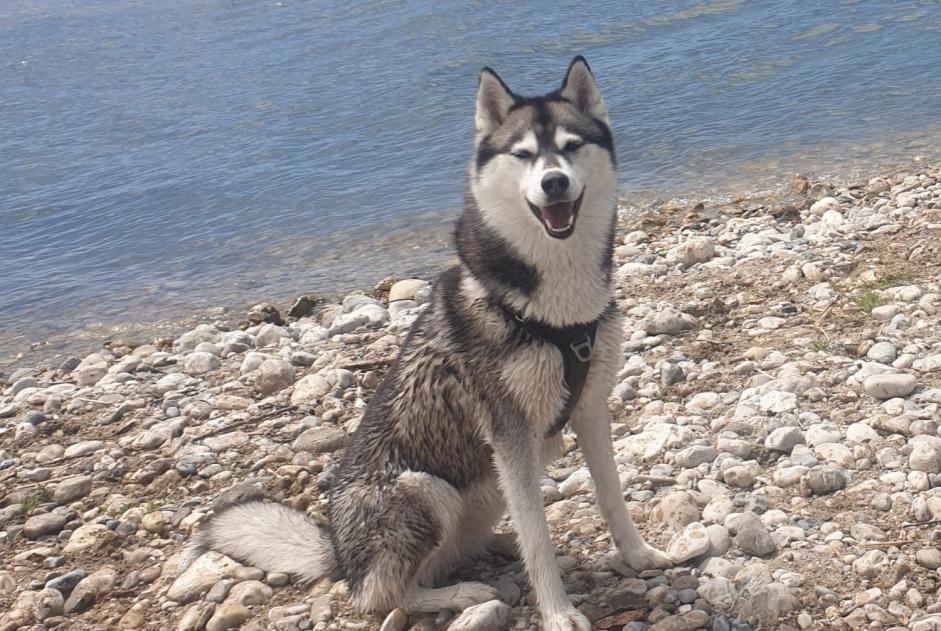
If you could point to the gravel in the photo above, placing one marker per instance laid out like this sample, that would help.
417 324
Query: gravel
776 428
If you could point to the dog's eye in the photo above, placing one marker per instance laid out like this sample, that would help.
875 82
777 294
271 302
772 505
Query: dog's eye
522 154
572 145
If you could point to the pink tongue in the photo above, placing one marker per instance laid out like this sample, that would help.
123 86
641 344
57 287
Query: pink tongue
557 215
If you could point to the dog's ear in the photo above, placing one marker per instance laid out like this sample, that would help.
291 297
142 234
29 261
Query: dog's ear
494 101
580 88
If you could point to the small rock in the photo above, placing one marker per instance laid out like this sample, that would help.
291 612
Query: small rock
205 572
692 457
90 589
929 558
199 363
397 618
821 206
768 605
889 386
87 537
628 594
196 617
67 582
689 543
228 616
719 592
250 593
237 494
406 289
303 307
310 388
72 488
321 440
871 564
882 352
46 524
48 603
784 439
82 448
778 401
825 480
272 376
264 312
154 522
752 536
677 510
688 621
669 322
926 454
492 615
695 250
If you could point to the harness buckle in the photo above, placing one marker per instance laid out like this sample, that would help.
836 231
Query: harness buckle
582 349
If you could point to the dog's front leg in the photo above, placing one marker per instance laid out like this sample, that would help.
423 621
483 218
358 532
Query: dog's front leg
592 424
517 461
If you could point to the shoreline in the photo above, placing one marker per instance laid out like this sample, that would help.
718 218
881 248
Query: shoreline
138 324
776 428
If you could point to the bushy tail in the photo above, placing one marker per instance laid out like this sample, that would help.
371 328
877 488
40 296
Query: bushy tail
271 537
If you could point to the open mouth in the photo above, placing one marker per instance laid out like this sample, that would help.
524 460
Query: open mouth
559 218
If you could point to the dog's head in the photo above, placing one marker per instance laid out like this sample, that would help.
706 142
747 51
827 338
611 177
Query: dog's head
542 163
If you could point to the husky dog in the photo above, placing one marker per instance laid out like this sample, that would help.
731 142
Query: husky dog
520 338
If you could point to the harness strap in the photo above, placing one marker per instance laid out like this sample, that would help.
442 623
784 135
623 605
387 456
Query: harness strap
576 344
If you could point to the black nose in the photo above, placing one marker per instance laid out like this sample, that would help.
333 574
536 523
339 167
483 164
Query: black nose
555 184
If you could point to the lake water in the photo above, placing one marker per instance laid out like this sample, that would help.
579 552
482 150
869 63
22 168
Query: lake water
161 158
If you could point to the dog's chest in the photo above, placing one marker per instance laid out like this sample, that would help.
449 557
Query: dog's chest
534 379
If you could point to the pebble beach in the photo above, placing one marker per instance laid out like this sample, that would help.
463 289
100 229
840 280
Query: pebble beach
777 427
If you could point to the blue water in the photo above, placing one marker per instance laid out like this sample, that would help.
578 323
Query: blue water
162 157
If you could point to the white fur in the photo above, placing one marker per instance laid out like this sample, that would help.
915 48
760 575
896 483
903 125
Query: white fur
591 421
272 537
527 143
564 137
573 289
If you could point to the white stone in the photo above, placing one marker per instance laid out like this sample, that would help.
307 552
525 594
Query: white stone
926 454
861 433
199 363
696 250
784 439
691 542
931 363
719 592
406 289
824 204
882 352
778 401
669 322
889 386
884 313
85 538
206 571
492 615
311 388
836 452
272 376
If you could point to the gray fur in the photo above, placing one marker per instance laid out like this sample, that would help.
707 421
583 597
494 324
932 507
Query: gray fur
454 434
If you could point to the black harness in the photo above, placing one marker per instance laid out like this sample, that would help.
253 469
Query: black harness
576 344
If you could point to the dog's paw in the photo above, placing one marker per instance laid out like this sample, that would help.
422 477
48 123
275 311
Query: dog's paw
646 557
468 594
567 620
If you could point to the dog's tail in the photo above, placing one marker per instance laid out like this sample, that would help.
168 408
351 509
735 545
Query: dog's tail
270 537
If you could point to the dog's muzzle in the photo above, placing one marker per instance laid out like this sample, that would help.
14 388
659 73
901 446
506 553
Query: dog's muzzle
559 218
